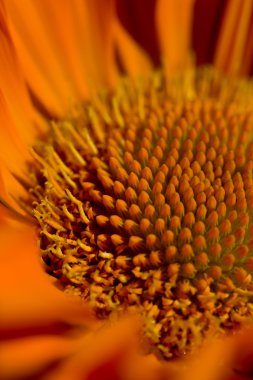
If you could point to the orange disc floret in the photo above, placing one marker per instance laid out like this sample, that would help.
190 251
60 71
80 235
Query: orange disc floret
188 270
228 260
167 238
145 225
215 272
170 253
186 252
202 259
151 241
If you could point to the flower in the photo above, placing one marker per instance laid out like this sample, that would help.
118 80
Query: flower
82 48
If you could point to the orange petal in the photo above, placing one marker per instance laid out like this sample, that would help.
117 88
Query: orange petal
28 296
3 211
137 17
64 48
102 354
227 358
13 146
230 49
31 357
248 53
13 86
241 361
133 59
209 364
206 23
149 367
13 153
174 25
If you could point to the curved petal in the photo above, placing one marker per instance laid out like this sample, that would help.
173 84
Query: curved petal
132 57
65 48
137 17
13 87
174 25
101 355
206 24
13 153
31 357
231 44
227 358
247 64
241 360
28 296
13 147
19 122
3 210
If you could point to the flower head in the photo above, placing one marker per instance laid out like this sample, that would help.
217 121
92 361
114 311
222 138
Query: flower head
141 195
142 200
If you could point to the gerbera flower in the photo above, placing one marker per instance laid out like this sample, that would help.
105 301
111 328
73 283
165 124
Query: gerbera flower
132 177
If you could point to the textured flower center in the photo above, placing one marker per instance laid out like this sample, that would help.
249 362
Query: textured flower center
144 200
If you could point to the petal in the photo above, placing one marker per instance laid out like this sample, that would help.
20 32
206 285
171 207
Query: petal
13 153
149 367
31 357
28 296
13 147
137 17
102 354
3 211
209 364
174 25
231 44
247 62
13 87
133 59
74 50
206 24
227 358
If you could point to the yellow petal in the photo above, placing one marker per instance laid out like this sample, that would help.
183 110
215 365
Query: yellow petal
230 50
174 25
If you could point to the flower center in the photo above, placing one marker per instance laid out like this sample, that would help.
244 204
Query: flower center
144 200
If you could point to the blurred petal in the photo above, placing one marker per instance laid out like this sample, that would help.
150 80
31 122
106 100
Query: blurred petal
137 17
247 62
174 25
240 366
13 153
133 59
13 148
101 355
230 358
62 66
148 367
3 194
13 87
230 50
207 20
208 364
32 357
28 297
